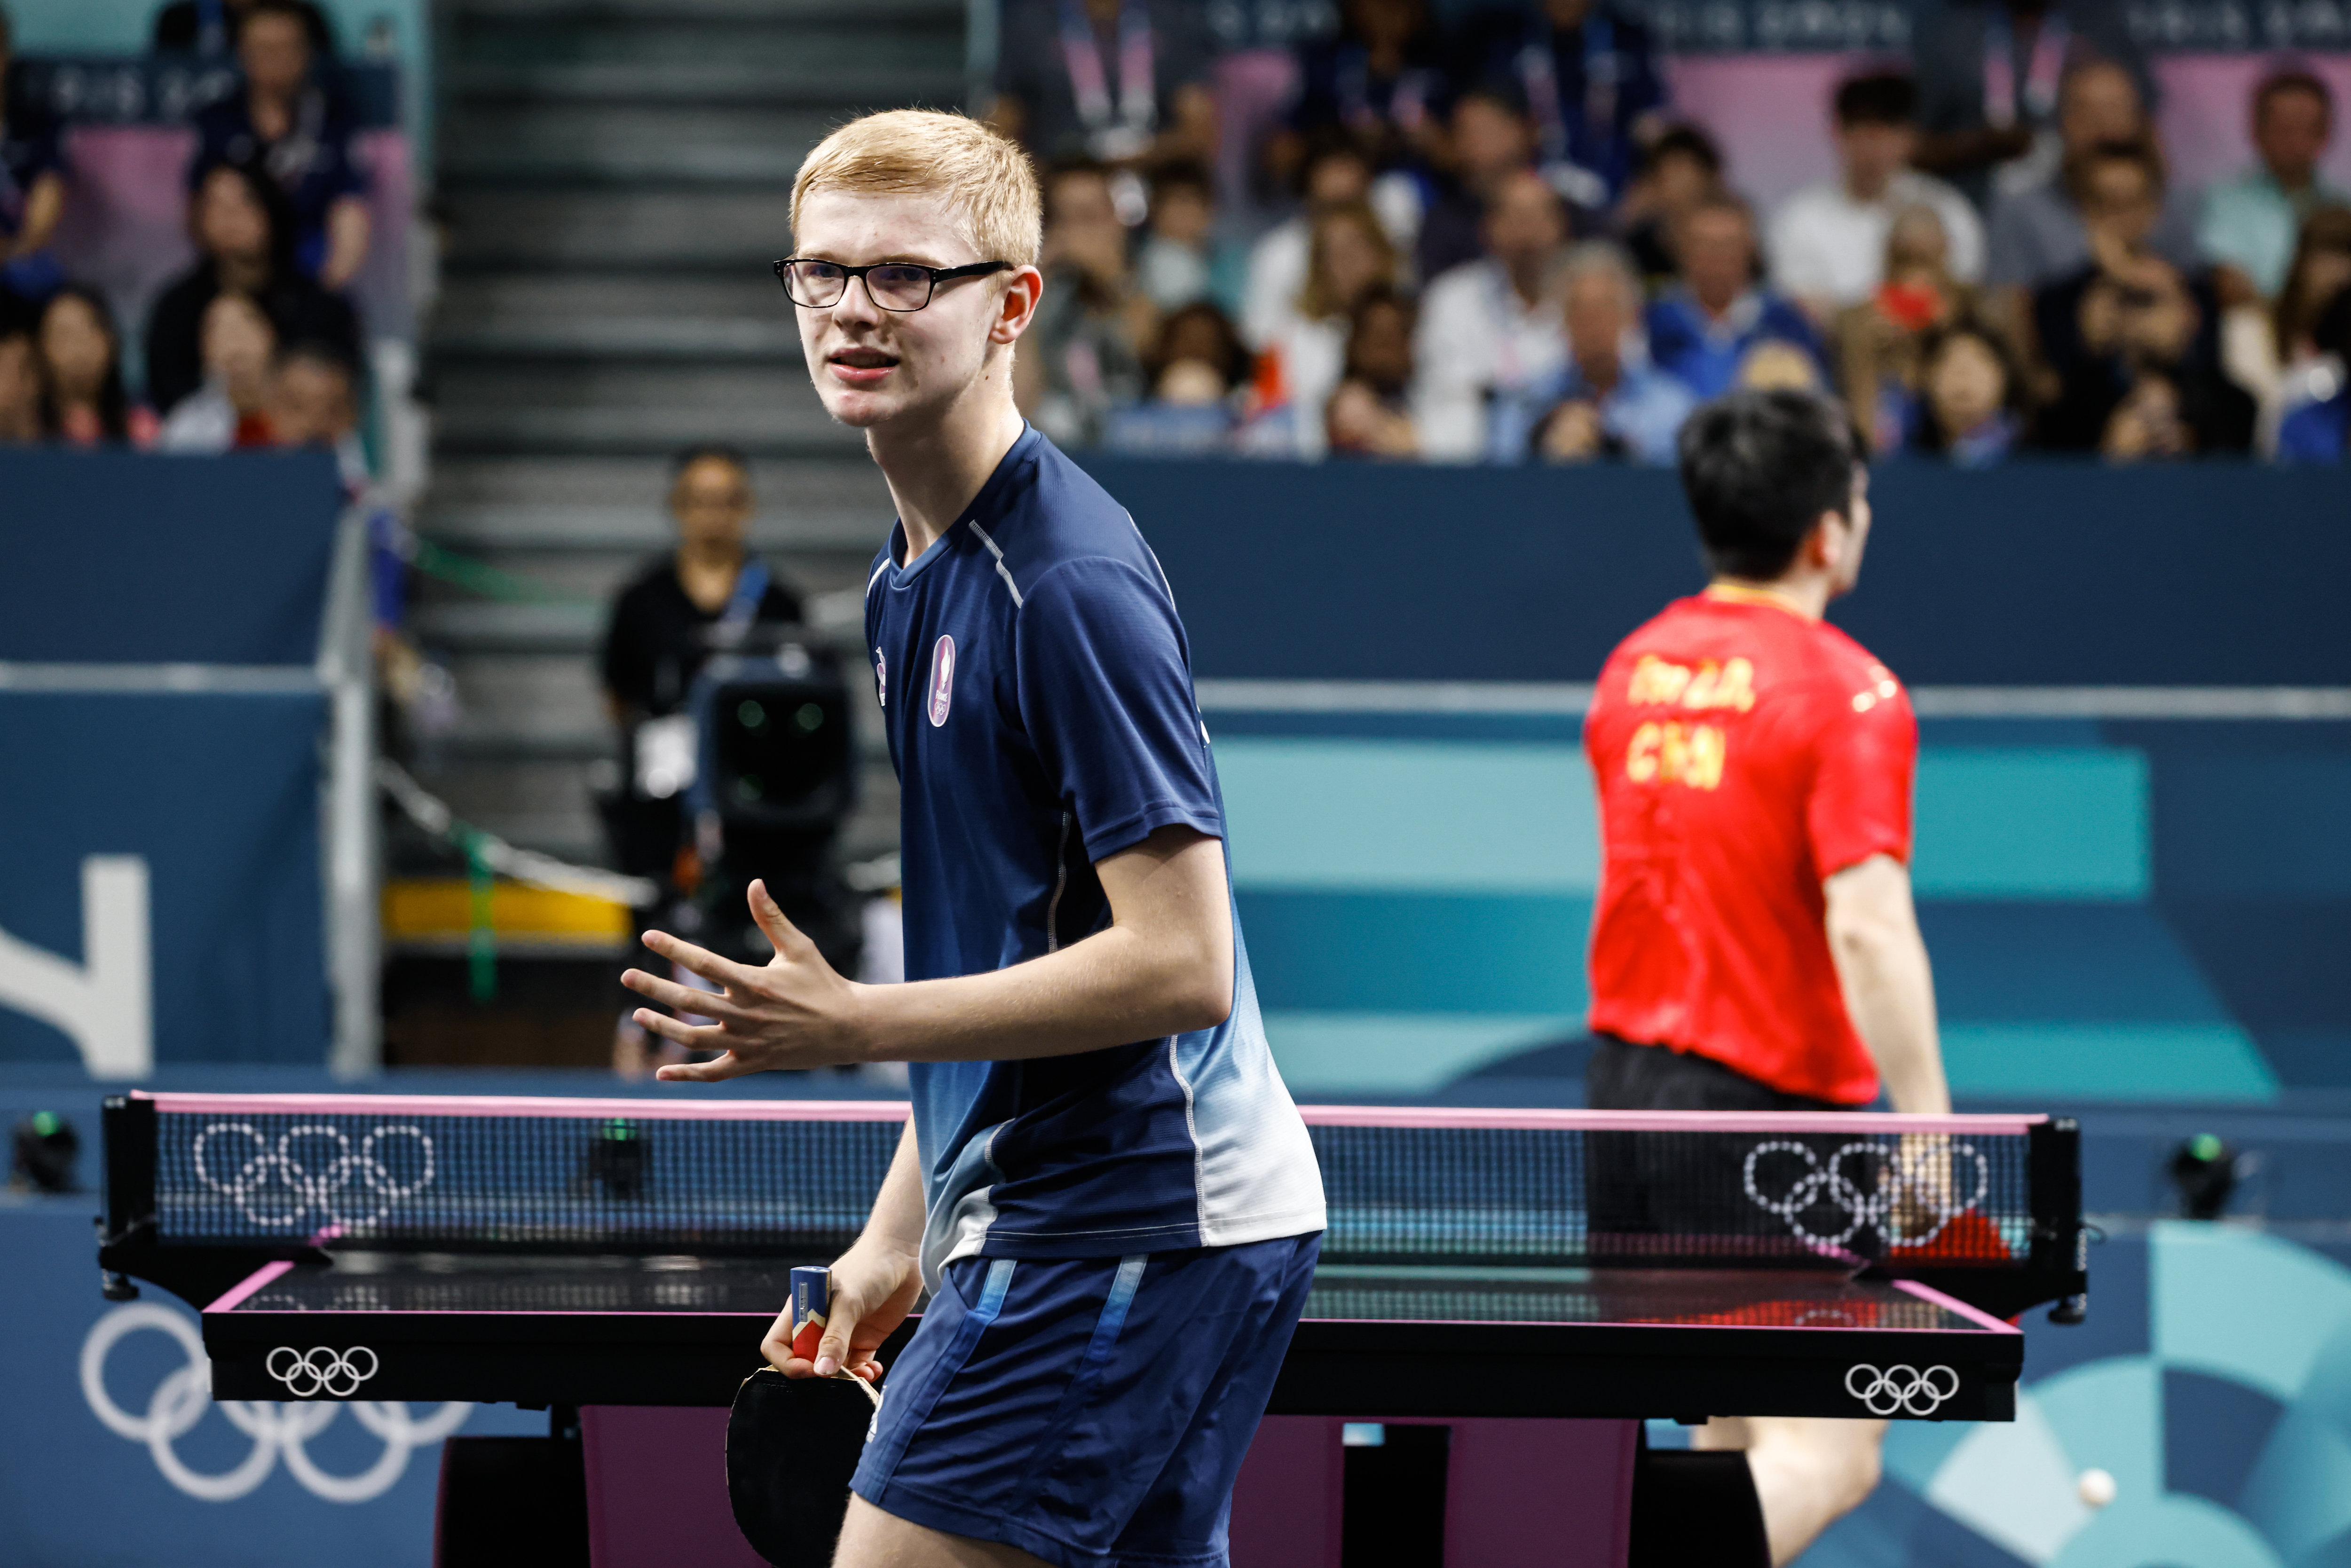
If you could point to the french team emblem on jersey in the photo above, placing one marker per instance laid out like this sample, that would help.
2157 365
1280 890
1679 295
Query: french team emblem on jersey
942 679
881 677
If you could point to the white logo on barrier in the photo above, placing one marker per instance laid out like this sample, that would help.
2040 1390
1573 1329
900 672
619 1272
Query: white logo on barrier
183 1397
272 1187
307 1374
104 1003
1901 1388
1914 1195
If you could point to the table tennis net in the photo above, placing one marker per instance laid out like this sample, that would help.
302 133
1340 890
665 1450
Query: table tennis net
352 1171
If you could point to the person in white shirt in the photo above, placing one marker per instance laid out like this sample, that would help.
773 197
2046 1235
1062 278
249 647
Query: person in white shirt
1491 328
1828 240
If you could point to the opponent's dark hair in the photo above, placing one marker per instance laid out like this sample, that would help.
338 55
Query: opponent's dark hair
1759 468
1878 98
687 457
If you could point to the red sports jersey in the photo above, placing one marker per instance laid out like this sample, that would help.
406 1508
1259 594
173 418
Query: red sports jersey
1744 753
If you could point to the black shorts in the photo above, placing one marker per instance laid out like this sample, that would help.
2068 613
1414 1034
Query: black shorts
1684 1196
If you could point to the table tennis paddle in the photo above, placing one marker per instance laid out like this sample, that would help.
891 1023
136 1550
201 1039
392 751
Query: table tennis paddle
792 1444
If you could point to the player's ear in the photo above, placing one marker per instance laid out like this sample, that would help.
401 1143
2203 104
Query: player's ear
1017 307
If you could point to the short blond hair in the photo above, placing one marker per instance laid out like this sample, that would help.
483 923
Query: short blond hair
919 151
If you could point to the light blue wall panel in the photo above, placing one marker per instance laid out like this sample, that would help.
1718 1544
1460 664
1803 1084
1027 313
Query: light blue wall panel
1411 816
2032 824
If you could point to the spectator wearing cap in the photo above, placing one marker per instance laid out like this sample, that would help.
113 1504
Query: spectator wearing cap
2316 427
2251 222
1606 402
1828 240
1989 75
2037 234
1490 328
32 193
1120 82
285 123
1678 170
1488 140
244 244
2133 340
1705 326
1588 75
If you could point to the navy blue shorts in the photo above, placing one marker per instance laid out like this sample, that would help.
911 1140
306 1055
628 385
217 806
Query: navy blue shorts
1090 1411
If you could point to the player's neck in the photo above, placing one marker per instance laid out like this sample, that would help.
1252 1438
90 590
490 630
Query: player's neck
1806 595
935 469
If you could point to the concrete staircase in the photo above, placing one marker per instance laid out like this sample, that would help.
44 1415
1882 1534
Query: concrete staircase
616 178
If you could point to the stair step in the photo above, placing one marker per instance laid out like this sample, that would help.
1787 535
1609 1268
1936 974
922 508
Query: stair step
633 144
660 229
812 79
574 14
598 407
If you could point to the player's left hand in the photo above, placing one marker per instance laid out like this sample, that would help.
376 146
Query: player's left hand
793 1011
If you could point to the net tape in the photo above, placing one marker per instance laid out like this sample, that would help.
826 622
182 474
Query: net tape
1502 1193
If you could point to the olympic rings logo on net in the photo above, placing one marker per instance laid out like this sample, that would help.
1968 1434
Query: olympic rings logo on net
321 1371
1913 1194
1906 1388
273 1186
280 1431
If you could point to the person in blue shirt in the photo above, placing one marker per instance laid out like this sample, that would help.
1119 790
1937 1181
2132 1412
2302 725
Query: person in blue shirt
1104 1185
1702 328
1607 402
32 193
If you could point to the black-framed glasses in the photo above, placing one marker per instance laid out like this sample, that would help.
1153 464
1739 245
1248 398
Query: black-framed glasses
893 285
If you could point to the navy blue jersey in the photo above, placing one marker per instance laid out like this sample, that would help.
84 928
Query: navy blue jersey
1038 693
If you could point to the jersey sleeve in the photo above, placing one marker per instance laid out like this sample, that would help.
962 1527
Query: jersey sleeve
1105 694
1868 755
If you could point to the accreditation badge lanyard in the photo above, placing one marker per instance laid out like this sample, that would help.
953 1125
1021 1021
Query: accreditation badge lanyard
742 606
2042 73
1540 76
1123 129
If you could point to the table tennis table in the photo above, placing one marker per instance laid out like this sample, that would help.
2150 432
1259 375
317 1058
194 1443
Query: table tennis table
632 1253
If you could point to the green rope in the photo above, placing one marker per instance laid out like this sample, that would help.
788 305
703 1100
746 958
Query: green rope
482 936
489 581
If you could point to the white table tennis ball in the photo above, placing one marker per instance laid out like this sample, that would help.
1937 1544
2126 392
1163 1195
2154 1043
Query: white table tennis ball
2095 1487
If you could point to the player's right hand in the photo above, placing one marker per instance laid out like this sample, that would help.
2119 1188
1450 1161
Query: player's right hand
873 1289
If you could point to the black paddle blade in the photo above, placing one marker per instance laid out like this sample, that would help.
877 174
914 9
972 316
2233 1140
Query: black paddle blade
792 1445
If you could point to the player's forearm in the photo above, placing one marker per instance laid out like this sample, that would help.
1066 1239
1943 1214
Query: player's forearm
1889 993
1116 985
1888 987
896 1222
347 232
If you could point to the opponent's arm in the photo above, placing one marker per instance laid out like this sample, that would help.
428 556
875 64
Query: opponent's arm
1889 992
1164 965
874 1283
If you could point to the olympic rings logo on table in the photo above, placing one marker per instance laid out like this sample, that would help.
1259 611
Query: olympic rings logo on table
1897 1192
1901 1388
273 1187
321 1371
182 1400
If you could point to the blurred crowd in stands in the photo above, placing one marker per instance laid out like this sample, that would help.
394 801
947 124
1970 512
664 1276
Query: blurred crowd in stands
1494 240
257 343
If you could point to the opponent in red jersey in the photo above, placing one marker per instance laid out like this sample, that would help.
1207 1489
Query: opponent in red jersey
1754 945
